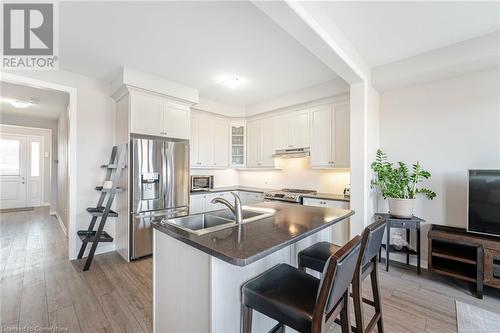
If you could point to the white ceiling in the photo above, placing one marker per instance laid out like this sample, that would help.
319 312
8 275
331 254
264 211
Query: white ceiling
192 43
50 102
385 32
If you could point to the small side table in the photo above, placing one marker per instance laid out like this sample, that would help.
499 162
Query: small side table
408 224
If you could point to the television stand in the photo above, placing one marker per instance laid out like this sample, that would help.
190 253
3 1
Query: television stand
466 256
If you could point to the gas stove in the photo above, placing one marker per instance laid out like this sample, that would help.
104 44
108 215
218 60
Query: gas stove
288 194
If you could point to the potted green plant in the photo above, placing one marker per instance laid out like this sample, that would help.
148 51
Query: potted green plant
398 185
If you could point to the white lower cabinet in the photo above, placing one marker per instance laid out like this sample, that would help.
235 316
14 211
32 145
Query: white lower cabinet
197 203
248 198
340 231
209 206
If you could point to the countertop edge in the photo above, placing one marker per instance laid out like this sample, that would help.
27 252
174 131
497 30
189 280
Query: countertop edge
174 233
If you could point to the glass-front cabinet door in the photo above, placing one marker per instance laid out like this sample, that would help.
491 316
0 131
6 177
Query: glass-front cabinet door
237 142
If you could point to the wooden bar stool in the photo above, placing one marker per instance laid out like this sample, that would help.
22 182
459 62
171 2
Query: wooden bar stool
316 256
299 300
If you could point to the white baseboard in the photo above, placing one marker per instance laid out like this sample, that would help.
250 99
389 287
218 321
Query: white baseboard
61 224
103 248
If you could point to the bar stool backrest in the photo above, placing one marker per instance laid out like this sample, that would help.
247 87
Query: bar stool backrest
337 275
371 242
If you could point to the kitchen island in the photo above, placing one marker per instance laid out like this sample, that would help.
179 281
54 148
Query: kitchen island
197 276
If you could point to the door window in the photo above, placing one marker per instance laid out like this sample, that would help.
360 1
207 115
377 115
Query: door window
9 157
35 159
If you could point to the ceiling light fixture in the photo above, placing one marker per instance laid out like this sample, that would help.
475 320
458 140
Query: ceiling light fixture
20 104
232 81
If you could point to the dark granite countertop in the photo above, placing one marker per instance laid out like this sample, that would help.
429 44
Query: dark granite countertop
324 196
244 244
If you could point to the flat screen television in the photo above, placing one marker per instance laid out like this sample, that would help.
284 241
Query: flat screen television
484 202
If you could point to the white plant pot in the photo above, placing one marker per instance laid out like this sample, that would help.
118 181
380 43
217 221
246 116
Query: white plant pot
401 207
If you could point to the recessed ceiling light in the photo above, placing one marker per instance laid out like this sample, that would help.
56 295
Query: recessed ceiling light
232 81
20 104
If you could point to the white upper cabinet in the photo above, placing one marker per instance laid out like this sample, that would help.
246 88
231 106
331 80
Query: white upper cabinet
209 141
321 135
205 142
154 115
146 114
267 143
330 136
237 134
254 130
292 130
282 132
193 140
175 121
260 143
299 125
220 128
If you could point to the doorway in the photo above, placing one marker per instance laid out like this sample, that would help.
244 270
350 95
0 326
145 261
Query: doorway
22 174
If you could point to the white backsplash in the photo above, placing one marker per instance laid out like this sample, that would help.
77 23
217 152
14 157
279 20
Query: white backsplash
295 173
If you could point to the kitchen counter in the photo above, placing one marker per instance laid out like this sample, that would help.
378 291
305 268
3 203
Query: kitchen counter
251 241
197 279
324 196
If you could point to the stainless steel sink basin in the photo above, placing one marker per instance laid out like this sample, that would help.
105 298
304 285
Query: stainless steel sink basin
212 221
227 214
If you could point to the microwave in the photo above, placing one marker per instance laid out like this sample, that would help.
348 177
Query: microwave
202 183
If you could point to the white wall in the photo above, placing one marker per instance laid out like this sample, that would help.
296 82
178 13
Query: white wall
49 164
95 136
449 126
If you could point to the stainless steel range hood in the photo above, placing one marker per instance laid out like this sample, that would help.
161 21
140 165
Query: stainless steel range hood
292 153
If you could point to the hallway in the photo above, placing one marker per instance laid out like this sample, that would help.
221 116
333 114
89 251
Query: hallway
41 288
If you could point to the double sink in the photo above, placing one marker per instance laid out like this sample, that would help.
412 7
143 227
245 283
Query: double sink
205 223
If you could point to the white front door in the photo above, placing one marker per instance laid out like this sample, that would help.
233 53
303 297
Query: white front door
13 167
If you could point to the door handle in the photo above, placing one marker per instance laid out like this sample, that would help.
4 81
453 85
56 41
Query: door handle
22 182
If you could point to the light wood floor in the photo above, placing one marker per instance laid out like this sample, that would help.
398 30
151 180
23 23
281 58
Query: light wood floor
40 287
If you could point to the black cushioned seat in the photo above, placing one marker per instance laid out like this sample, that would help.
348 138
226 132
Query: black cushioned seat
315 256
285 294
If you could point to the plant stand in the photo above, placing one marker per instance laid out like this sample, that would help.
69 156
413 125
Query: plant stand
408 224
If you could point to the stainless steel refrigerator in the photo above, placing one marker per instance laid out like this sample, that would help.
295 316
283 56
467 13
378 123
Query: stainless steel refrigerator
159 187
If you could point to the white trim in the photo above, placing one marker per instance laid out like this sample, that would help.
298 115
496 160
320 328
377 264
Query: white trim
72 166
61 224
